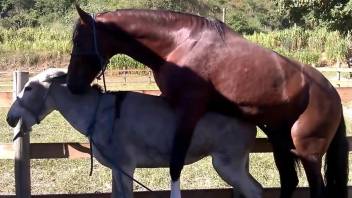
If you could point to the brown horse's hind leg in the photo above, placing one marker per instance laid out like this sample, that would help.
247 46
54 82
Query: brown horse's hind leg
312 166
310 145
285 162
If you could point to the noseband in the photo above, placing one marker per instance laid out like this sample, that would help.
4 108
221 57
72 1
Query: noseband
34 112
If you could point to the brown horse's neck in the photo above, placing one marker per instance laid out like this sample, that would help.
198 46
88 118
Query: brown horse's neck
149 36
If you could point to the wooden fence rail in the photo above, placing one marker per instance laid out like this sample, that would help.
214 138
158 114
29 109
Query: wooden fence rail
146 76
75 150
136 79
22 151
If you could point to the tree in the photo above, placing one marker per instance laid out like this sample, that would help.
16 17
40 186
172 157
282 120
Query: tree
334 14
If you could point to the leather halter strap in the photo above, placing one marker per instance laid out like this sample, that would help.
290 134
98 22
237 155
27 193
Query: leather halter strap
35 112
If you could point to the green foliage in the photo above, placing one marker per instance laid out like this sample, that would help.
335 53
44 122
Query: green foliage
20 20
249 16
245 16
123 61
40 39
333 14
35 45
40 29
318 46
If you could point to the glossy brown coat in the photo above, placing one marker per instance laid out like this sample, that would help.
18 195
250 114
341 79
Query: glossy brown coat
202 65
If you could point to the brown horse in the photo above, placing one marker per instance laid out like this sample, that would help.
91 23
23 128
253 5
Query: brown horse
200 64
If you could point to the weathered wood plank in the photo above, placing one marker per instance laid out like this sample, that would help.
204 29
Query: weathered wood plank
81 150
5 99
345 93
334 69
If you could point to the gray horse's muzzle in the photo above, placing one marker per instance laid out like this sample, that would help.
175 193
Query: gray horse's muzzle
12 120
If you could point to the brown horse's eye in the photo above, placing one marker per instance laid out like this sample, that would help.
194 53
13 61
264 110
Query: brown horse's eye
27 88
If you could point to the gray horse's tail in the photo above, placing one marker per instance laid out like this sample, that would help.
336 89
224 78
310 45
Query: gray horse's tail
336 164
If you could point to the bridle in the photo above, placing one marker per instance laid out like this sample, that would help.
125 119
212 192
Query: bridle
102 65
103 62
35 112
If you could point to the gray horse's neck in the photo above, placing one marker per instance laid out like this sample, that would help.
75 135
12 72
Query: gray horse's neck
78 110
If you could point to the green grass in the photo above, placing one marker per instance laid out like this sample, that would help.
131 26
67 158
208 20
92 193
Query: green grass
72 176
319 46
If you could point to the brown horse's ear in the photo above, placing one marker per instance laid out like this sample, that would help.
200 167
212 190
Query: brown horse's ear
85 17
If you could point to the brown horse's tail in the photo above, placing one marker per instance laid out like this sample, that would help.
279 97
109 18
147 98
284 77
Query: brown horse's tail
336 164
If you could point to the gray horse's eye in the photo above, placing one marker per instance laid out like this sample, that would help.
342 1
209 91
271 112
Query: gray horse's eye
27 88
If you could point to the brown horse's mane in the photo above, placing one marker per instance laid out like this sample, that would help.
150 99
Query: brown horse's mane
166 17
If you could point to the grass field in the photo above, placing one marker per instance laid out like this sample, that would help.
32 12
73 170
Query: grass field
72 176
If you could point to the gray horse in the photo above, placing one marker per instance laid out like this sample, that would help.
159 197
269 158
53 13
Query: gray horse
131 130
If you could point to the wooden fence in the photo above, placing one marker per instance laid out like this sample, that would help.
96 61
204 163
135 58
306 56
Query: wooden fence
22 151
142 80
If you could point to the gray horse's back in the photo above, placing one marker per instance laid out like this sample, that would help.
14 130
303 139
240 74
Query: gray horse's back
148 123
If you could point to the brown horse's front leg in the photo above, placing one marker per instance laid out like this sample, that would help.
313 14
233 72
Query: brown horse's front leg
189 111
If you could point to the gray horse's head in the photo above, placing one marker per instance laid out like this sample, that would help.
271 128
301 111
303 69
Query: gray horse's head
31 104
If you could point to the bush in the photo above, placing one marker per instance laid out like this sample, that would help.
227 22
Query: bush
318 46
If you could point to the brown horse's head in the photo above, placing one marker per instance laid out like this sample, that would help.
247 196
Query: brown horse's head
88 56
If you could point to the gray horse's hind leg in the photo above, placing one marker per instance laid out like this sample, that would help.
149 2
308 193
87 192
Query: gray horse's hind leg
235 173
122 186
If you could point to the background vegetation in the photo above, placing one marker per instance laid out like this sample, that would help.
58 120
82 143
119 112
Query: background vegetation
35 33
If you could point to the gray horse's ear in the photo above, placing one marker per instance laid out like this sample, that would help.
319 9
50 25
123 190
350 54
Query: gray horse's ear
85 17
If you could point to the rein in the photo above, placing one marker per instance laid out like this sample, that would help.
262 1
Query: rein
103 63
90 131
89 134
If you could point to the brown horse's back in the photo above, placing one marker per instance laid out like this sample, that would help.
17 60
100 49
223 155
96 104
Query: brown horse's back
263 84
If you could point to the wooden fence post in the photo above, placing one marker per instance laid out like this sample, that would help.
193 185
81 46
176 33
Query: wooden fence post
125 75
224 15
21 144
150 77
339 75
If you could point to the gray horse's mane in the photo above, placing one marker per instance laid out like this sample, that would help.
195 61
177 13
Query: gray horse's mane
100 90
49 75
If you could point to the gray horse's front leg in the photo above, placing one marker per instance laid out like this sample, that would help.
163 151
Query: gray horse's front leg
122 186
